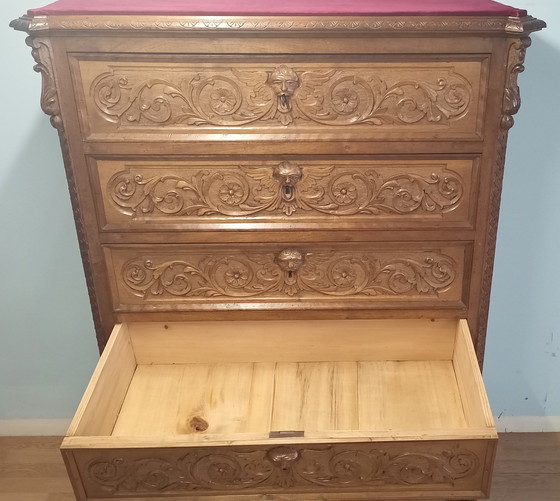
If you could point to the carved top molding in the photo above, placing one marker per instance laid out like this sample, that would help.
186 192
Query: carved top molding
414 24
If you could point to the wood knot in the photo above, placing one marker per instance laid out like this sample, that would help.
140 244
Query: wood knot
198 424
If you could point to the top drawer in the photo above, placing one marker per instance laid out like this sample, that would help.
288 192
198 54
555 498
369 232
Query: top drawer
317 97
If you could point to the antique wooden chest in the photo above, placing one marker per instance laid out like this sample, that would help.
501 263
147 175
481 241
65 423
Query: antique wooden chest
287 215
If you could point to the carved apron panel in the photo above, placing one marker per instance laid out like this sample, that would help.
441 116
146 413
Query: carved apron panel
293 97
371 467
402 192
327 273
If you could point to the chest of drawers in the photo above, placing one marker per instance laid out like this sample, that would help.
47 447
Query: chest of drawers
287 222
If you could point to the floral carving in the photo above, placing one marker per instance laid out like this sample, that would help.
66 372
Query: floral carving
282 95
292 272
360 466
285 189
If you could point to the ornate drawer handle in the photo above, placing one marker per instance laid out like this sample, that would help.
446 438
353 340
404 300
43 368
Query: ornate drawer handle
284 82
288 174
290 261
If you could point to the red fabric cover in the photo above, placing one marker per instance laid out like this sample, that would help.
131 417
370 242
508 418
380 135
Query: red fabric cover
280 7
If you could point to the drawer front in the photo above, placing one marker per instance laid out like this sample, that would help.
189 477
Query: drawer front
442 468
322 275
339 192
161 98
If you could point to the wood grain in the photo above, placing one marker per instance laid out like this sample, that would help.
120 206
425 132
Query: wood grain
401 395
245 399
292 340
102 400
469 379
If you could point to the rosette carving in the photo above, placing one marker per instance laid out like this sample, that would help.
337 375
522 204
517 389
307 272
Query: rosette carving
286 189
280 468
292 272
283 95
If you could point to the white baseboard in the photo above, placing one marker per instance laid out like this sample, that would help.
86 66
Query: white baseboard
527 424
57 427
33 427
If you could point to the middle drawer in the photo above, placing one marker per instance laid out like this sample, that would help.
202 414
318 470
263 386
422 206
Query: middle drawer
286 192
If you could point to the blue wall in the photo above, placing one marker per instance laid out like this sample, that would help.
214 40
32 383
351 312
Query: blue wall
522 368
47 344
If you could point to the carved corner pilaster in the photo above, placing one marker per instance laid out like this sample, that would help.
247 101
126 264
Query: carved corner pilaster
512 98
510 106
42 54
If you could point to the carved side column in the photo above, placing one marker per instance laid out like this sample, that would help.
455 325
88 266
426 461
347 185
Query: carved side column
41 51
510 106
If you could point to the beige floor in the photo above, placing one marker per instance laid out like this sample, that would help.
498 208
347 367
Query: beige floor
527 469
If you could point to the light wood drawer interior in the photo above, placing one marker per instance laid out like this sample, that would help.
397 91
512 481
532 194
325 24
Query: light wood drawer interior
412 386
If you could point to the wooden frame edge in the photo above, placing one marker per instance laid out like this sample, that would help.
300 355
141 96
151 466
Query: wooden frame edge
74 474
356 24
118 331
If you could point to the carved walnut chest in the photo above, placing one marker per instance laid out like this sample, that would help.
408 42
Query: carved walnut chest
287 216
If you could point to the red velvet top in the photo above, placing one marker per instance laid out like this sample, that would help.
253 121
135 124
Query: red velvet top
280 8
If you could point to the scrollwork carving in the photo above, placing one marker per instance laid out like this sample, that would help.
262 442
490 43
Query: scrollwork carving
287 189
281 468
292 272
41 52
512 97
234 97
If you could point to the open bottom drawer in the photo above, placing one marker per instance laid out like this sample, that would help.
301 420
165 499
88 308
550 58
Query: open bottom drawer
307 410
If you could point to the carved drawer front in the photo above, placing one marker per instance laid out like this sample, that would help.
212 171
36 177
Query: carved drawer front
160 99
340 192
409 467
252 408
369 275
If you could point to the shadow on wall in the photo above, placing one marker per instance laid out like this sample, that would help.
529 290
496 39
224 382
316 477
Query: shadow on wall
48 345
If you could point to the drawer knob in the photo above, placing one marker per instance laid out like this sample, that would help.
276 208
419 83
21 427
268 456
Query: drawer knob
290 261
288 174
283 456
284 81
